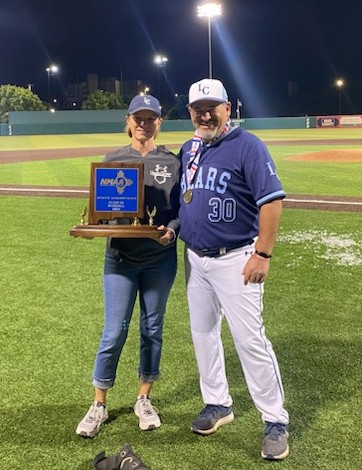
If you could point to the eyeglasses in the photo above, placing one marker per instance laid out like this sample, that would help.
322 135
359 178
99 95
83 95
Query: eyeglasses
201 110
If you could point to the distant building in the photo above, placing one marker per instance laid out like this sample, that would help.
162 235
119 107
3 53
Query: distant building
76 93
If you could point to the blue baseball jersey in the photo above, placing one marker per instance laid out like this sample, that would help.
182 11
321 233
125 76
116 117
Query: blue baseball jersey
235 177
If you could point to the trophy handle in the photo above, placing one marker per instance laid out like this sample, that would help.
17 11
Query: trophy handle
82 216
136 222
151 214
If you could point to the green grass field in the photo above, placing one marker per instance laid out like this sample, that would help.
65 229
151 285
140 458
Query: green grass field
27 142
299 177
52 315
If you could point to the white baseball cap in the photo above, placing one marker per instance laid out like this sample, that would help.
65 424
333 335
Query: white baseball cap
208 89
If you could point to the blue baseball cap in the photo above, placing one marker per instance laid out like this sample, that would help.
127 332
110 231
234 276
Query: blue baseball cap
140 103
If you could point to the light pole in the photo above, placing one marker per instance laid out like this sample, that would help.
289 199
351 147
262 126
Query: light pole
209 10
145 91
51 70
161 62
339 84
177 99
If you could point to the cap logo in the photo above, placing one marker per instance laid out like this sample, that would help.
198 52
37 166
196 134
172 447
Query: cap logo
147 101
205 90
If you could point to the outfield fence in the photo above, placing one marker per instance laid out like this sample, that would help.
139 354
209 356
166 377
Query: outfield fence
112 121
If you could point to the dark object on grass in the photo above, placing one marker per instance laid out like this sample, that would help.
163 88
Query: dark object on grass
124 460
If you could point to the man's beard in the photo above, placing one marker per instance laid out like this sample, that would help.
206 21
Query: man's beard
207 135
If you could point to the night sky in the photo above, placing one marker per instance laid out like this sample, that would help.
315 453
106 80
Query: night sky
258 46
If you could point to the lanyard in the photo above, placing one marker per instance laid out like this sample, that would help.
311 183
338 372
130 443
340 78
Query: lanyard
197 149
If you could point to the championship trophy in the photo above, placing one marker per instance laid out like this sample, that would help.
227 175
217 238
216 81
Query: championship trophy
116 192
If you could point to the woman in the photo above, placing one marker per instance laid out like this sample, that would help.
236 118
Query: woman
142 266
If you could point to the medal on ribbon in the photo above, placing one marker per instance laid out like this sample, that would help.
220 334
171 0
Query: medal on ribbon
187 196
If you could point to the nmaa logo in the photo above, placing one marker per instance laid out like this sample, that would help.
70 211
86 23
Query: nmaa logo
160 174
120 182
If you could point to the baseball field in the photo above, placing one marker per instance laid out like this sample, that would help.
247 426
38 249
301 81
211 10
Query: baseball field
52 315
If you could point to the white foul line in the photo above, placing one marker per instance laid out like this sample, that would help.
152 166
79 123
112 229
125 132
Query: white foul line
86 191
318 201
45 190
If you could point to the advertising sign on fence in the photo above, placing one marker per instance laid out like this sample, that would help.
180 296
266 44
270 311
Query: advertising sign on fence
339 121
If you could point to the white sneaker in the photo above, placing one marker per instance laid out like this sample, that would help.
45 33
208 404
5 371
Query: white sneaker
147 414
92 421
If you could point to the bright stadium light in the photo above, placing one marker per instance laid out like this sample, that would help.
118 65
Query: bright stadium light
145 91
209 11
51 70
161 62
339 84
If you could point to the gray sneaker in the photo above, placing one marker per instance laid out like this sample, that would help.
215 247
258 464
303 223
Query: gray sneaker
92 421
147 414
211 418
275 442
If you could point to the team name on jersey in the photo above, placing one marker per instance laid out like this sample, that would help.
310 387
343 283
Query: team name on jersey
210 178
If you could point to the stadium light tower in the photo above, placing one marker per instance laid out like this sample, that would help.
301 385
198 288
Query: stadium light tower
209 11
51 70
339 84
161 62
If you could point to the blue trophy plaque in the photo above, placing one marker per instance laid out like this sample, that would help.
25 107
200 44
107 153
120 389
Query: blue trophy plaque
116 192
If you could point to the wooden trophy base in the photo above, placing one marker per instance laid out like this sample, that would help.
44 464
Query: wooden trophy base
116 231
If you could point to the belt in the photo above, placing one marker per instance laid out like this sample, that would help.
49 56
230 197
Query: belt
216 252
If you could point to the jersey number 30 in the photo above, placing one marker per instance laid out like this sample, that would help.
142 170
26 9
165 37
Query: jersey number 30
222 210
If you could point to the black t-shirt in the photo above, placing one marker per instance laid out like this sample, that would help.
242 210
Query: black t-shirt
162 189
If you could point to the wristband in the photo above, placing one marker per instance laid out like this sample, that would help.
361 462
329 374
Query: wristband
173 234
262 254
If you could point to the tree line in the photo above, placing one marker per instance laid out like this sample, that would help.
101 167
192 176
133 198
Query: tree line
16 98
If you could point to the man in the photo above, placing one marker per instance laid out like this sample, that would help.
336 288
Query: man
231 204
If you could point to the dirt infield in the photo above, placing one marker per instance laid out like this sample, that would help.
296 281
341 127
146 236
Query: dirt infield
17 156
333 156
350 204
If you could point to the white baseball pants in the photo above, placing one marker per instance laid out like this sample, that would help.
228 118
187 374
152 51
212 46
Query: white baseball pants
215 288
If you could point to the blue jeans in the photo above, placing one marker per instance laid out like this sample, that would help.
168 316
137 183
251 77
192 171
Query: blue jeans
122 281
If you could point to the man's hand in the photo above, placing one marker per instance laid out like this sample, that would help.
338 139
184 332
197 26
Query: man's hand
256 270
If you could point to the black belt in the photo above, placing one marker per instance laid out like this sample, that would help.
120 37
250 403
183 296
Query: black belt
216 252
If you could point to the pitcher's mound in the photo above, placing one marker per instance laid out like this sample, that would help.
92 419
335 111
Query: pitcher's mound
333 156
